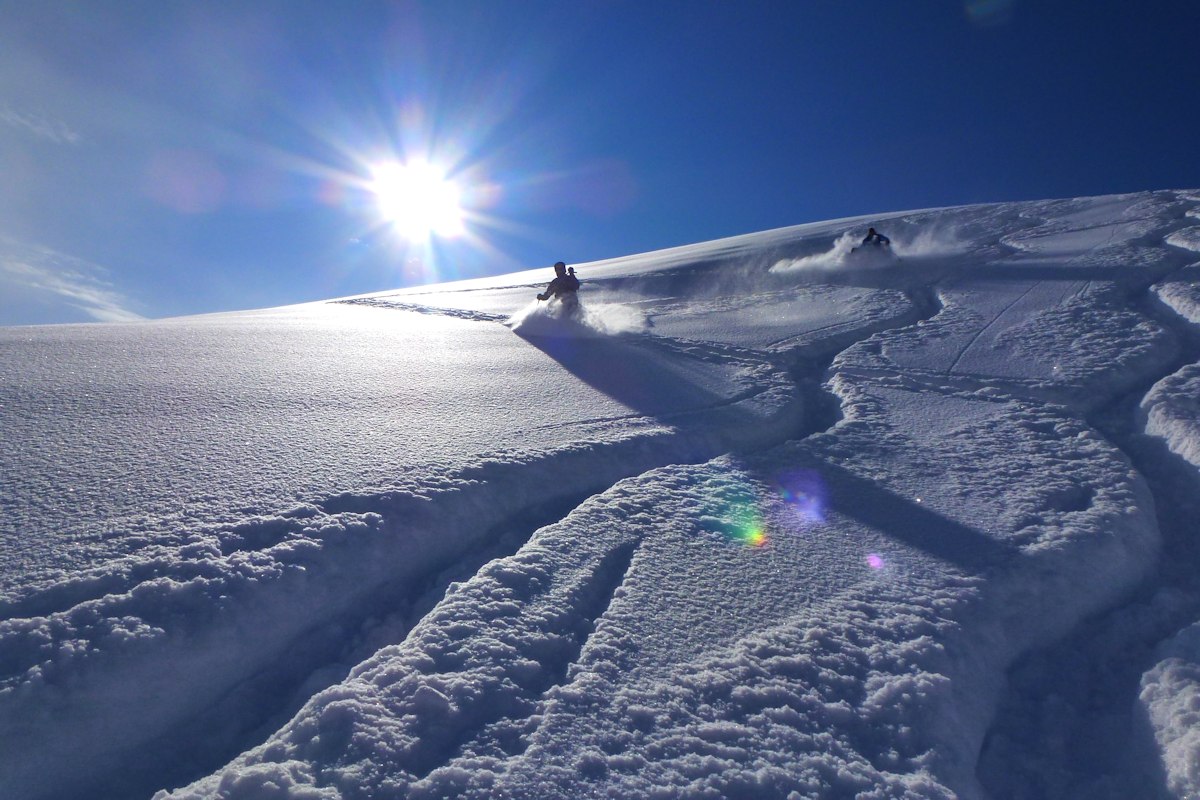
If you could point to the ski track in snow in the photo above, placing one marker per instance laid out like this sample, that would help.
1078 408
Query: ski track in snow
423 309
1051 737
495 689
334 560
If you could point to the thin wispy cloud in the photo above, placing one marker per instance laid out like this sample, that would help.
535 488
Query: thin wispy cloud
39 125
56 278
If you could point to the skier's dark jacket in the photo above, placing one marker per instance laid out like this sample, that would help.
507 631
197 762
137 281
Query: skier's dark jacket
874 237
562 284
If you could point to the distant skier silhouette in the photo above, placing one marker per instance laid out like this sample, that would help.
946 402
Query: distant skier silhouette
875 238
564 286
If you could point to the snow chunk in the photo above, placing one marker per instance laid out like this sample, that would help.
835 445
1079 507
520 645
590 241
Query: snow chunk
1186 239
1172 411
1181 293
1170 700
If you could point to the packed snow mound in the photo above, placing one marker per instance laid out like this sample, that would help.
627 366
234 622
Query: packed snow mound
734 531
1181 293
1187 239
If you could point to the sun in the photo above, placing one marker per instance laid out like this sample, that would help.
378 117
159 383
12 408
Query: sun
418 200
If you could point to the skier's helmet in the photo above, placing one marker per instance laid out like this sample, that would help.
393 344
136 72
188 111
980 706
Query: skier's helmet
560 268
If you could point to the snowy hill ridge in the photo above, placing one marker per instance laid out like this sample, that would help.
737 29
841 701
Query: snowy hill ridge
771 519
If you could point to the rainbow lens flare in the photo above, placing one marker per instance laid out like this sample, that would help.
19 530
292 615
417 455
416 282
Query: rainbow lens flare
754 537
732 509
745 526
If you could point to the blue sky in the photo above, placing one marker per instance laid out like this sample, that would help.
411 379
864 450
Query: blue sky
166 158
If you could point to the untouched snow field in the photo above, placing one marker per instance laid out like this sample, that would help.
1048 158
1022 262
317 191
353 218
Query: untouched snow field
769 519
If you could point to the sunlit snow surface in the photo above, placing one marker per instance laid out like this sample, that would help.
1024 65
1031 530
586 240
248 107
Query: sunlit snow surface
765 518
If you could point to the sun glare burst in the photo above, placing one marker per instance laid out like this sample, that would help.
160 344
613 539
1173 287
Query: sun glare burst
418 200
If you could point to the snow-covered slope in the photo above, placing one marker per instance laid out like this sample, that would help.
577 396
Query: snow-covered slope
771 518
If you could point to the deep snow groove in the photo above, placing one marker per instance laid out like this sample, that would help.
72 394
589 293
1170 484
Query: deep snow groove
253 708
595 597
504 719
1063 722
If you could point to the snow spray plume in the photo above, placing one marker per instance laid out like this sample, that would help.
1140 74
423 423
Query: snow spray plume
938 240
935 240
547 319
831 259
521 318
613 320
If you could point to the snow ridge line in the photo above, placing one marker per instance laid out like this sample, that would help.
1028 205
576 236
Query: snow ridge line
713 351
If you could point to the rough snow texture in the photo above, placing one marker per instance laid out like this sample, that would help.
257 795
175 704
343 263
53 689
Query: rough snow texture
445 543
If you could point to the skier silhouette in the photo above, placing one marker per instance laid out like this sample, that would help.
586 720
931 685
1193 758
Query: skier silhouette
564 286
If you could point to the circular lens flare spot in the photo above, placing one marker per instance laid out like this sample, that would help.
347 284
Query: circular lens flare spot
875 561
419 200
806 492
